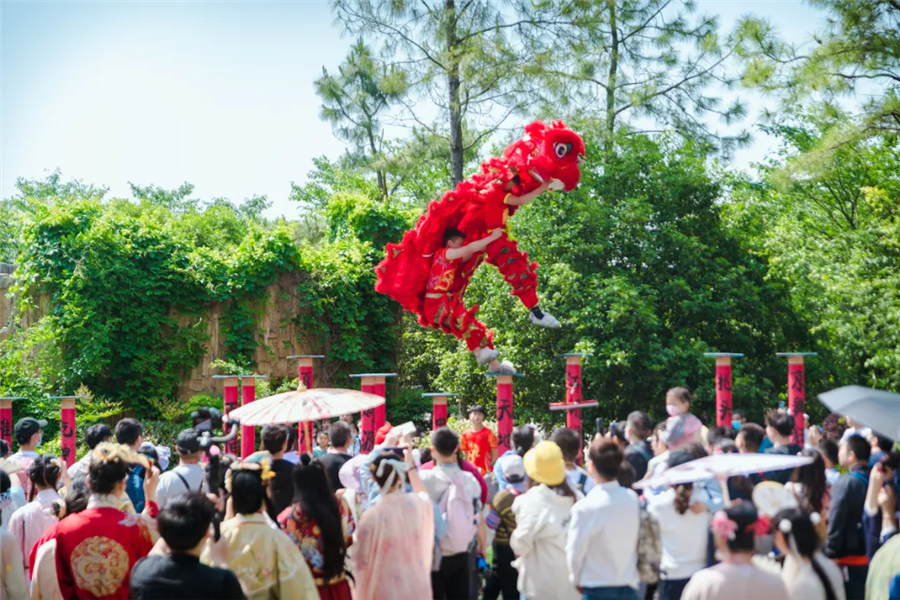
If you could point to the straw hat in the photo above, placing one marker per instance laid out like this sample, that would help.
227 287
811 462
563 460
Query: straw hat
545 464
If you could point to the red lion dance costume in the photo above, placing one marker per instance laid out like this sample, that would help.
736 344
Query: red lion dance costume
408 273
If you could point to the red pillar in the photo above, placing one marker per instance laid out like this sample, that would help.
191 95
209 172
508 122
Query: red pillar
6 417
67 427
248 432
797 392
374 418
438 409
231 396
573 391
723 386
305 442
504 411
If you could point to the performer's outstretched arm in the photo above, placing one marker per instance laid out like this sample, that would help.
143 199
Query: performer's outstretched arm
526 198
468 250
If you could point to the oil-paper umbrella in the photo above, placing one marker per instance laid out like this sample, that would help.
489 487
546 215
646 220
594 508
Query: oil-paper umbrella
722 466
305 405
877 409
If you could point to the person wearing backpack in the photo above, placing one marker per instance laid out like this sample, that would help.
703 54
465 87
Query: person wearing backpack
542 520
189 475
457 495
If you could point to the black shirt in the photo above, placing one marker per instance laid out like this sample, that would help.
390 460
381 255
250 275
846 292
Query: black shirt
182 577
639 455
333 463
281 487
782 476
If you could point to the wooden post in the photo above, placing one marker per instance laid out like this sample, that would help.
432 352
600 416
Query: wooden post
6 417
67 427
305 442
797 392
374 418
230 395
248 432
504 409
723 386
438 409
574 400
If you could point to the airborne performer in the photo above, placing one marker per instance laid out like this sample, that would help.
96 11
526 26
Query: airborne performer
429 271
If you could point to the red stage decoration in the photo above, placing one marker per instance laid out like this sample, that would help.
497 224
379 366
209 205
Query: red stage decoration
374 418
574 402
797 392
6 417
305 442
67 427
248 432
476 206
723 386
504 409
438 409
231 401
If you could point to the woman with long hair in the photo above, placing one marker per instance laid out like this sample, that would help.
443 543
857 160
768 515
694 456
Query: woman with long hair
30 522
321 526
542 517
807 574
265 561
682 531
736 577
808 489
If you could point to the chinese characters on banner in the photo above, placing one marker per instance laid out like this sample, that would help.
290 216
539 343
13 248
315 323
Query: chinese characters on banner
723 392
573 394
504 413
67 431
367 435
6 421
439 413
797 399
248 432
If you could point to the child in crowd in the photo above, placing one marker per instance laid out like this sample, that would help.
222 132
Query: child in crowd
570 444
504 576
479 443
683 428
321 448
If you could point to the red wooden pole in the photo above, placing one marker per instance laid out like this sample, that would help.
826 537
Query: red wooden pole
797 392
248 432
573 392
438 409
67 429
6 417
504 411
231 396
305 442
723 386
374 418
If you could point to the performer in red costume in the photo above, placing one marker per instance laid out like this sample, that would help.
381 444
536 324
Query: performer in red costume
418 272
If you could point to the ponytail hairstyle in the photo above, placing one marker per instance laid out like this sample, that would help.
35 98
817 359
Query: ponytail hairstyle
738 526
316 499
799 531
76 499
44 472
682 492
523 439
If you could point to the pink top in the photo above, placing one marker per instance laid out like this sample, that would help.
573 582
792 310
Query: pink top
30 522
394 548
683 430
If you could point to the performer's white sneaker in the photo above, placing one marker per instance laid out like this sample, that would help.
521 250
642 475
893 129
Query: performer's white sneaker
487 355
504 367
547 320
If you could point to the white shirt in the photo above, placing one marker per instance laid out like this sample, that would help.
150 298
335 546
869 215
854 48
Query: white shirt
170 485
80 467
30 522
802 583
683 537
601 546
573 476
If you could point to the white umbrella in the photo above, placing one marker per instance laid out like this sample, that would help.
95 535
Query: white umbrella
305 405
718 466
877 409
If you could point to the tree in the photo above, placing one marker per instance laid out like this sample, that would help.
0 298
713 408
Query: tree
458 55
857 53
355 100
643 61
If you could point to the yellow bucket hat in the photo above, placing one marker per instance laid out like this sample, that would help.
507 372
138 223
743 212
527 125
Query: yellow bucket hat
545 464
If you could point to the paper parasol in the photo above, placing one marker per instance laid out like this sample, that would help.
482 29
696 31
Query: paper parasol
877 409
305 405
723 465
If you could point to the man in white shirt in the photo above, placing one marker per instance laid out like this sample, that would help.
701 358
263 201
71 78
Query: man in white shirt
29 434
601 545
189 475
93 436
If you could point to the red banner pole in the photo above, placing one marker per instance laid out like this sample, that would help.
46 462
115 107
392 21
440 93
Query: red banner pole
231 396
797 392
305 441
723 386
438 409
248 432
504 413
367 435
67 429
573 395
6 418
380 411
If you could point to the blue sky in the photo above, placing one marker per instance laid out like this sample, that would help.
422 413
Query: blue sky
219 94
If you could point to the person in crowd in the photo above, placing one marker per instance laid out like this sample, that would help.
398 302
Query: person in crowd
806 573
42 561
29 434
749 439
458 494
779 426
716 434
504 577
660 460
265 560
814 435
879 511
736 577
602 537
4 448
569 442
883 581
353 450
829 450
12 577
683 532
854 428
846 539
338 454
392 557
737 420
30 522
173 570
881 446
321 526
522 440
12 498
280 488
189 475
130 432
94 435
321 445
293 439
808 489
479 443
683 427
97 548
638 452
542 517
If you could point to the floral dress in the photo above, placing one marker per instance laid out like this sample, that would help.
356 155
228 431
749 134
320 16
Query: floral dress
304 532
